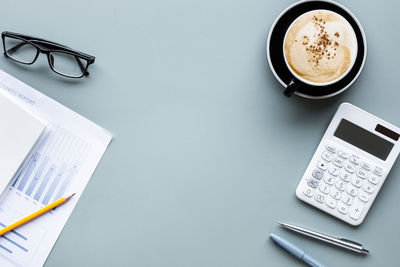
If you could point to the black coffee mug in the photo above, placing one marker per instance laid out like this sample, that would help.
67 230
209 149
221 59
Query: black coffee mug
293 83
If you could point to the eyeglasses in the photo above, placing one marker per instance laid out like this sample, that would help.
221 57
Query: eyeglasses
62 59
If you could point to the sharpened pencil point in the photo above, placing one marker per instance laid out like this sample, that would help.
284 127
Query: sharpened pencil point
67 198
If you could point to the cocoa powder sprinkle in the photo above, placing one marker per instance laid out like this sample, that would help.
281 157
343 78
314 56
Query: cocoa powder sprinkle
318 49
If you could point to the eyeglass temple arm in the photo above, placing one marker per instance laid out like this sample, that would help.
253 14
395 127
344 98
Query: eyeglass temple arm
14 49
81 65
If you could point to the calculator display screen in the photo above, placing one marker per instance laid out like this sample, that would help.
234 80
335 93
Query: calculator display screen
363 139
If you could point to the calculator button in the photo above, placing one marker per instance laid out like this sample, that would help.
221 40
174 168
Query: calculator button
317 174
342 208
378 171
363 197
319 197
350 168
362 173
324 188
313 183
356 210
355 159
331 203
322 165
338 162
373 180
366 166
308 192
329 180
352 191
336 194
340 185
343 154
334 171
348 200
369 188
345 177
356 182
331 148
327 156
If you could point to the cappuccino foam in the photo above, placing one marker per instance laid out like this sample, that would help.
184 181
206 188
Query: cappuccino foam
320 46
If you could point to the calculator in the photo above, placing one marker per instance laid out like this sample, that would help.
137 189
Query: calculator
350 164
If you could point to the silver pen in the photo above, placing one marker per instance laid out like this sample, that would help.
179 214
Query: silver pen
337 241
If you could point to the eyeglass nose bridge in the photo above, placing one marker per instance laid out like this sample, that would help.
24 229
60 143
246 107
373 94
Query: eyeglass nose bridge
44 51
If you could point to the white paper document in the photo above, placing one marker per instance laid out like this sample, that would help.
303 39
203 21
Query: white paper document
63 163
20 131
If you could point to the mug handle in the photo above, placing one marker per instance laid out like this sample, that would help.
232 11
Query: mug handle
291 87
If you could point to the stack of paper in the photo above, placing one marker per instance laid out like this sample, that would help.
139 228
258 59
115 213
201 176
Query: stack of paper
19 132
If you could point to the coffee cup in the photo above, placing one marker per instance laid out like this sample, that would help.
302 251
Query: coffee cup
316 49
320 48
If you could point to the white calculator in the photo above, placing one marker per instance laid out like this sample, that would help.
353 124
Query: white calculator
350 164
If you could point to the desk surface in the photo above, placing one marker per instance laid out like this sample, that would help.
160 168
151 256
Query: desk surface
207 151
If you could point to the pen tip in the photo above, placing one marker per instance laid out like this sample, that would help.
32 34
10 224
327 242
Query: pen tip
365 251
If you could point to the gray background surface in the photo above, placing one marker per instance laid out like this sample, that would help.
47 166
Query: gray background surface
207 151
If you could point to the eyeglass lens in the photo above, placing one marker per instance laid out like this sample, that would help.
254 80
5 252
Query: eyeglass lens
67 64
20 50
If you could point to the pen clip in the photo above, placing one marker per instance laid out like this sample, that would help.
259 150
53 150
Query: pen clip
350 241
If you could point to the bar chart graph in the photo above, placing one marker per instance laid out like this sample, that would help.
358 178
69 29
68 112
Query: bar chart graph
48 173
15 243
19 244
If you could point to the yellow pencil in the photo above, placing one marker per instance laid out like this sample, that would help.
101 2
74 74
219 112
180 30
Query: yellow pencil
34 215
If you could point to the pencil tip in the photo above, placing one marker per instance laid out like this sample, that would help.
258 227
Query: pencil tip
67 198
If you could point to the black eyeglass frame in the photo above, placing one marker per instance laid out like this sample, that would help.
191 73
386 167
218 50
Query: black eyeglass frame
50 47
